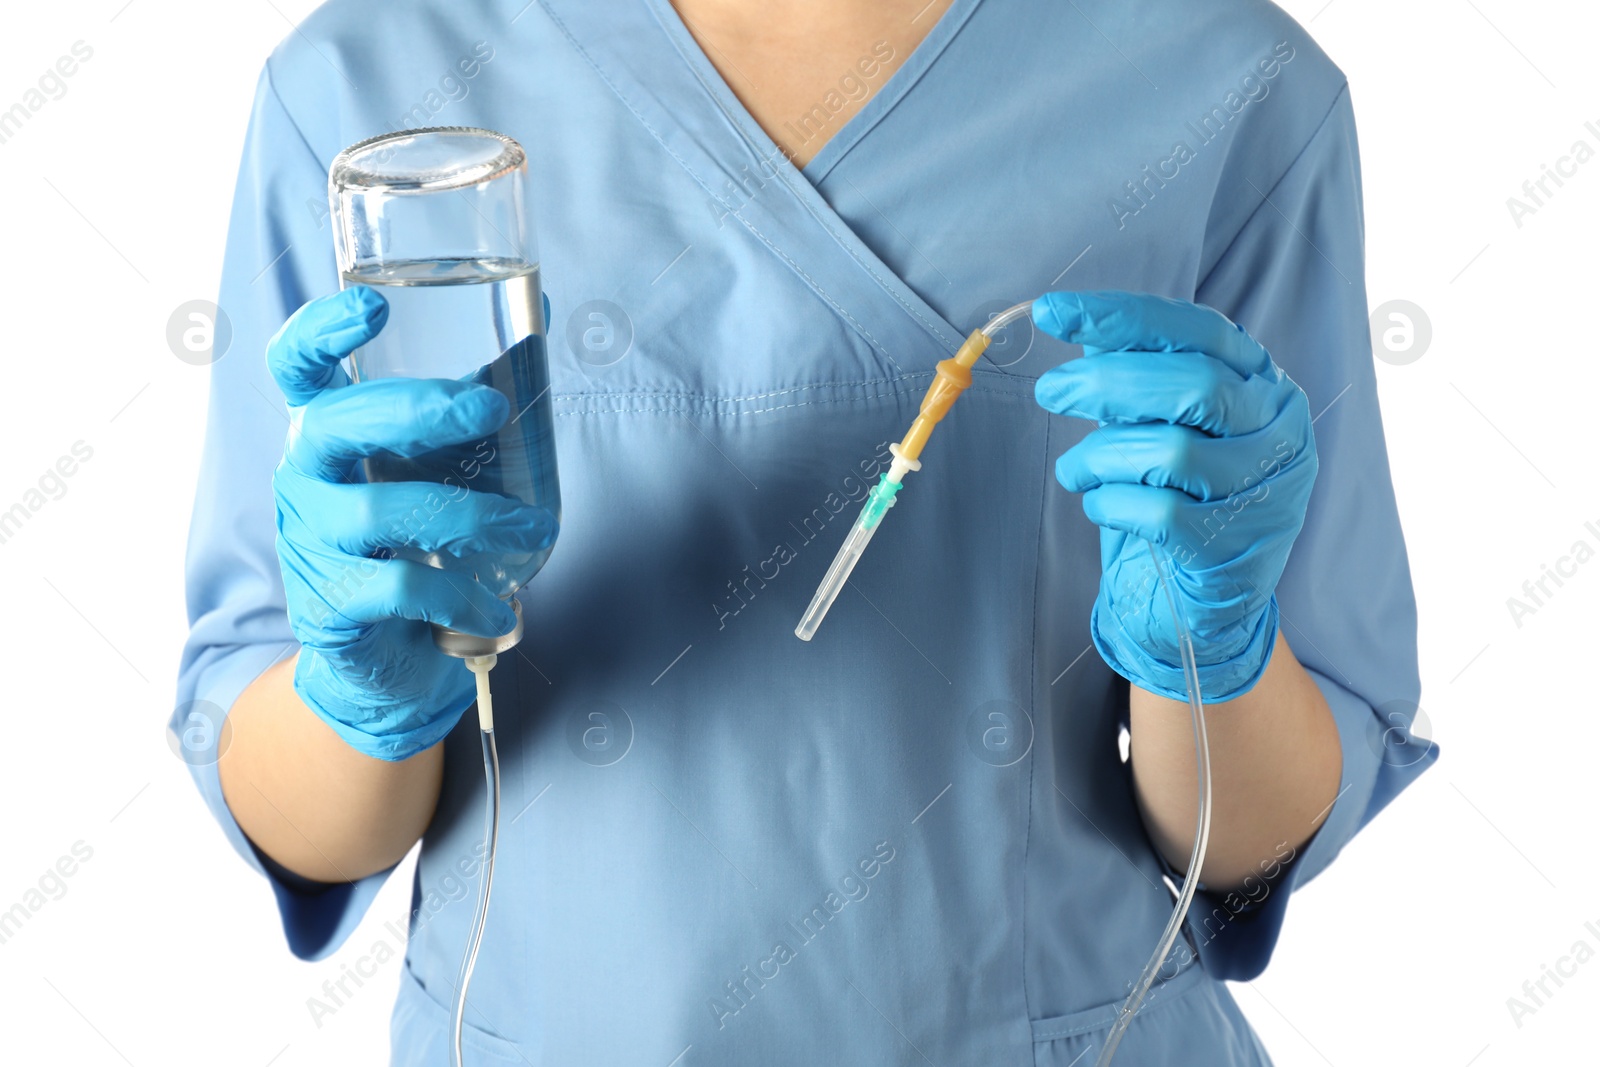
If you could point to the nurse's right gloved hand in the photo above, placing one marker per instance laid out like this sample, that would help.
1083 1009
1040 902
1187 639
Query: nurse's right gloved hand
368 666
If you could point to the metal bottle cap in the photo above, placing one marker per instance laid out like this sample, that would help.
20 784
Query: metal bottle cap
464 646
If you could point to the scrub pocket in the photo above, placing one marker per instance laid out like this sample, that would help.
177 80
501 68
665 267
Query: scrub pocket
419 1032
1189 1019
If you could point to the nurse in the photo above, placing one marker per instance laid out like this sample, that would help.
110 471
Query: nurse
942 831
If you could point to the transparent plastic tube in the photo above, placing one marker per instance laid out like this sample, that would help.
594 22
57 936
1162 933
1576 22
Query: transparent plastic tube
480 666
1202 835
1007 317
878 503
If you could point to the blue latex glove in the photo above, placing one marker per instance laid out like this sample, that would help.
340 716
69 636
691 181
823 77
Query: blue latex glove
1205 449
368 665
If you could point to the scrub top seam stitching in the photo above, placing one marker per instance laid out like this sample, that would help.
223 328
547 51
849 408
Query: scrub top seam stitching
617 92
1033 754
927 324
909 379
283 106
728 117
671 409
817 286
1193 978
838 384
1266 198
787 174
846 147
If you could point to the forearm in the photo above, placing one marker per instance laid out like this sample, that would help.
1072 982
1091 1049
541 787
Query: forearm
1275 768
310 801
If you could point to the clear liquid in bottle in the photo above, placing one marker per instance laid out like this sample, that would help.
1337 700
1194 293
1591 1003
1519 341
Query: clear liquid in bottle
479 321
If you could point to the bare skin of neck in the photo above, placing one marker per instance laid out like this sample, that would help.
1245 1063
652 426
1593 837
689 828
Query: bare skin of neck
802 68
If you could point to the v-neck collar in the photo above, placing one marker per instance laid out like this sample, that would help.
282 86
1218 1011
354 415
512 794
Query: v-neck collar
645 54
858 125
890 93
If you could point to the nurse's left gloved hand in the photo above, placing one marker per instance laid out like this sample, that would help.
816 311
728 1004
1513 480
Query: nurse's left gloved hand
1205 449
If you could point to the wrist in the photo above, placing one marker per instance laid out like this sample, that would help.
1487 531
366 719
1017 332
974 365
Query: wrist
366 721
1227 668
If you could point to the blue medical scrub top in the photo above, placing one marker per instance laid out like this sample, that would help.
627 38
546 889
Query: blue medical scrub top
913 839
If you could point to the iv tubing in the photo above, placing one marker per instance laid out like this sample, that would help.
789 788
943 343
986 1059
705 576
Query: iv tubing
480 666
952 377
1007 317
1202 836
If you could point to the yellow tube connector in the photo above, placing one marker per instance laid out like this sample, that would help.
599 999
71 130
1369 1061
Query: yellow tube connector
973 347
951 378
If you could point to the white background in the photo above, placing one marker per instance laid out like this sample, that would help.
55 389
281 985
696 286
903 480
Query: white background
165 949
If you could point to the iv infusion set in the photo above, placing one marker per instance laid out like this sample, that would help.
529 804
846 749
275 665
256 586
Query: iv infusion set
437 220
951 378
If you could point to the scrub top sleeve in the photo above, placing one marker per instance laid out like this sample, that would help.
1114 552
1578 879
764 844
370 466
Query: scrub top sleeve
279 255
1294 277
